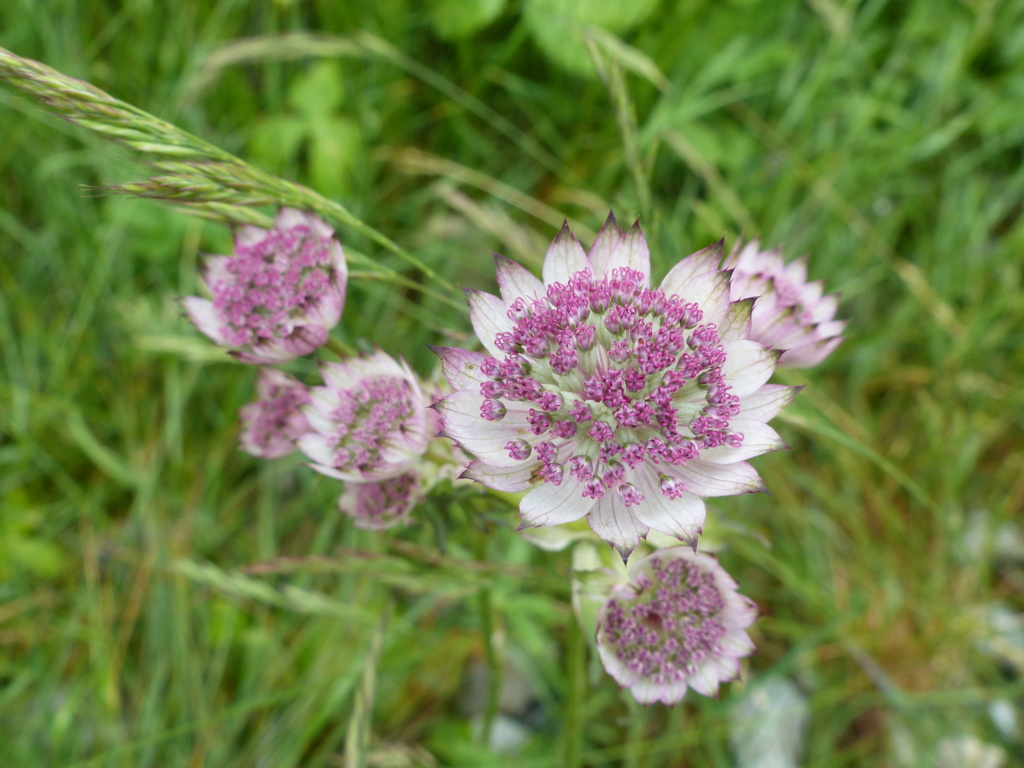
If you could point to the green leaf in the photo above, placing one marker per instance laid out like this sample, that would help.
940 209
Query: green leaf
318 91
559 26
336 148
275 140
459 19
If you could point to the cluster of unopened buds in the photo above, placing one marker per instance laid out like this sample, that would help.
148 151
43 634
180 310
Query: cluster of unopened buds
598 395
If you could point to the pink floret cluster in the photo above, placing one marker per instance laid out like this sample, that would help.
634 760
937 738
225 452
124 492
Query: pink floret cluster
278 295
677 623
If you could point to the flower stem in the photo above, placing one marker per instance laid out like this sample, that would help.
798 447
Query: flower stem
357 741
340 348
635 732
576 693
493 665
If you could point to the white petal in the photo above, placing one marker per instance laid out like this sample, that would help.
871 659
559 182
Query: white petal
203 316
805 357
511 479
737 643
607 240
725 668
292 217
758 438
613 666
736 324
706 479
711 292
682 517
796 270
461 367
550 504
706 260
646 691
824 309
614 522
337 474
248 235
672 692
748 366
317 447
215 270
303 340
565 257
352 372
515 281
264 354
704 680
487 314
632 252
765 403
460 414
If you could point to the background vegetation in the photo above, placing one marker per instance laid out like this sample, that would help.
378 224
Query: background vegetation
152 610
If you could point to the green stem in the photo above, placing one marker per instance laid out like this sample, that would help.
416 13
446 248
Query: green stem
576 693
491 657
357 740
635 732
340 348
493 665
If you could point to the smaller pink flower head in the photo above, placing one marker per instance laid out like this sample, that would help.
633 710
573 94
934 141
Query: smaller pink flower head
272 424
790 314
278 296
679 623
369 422
384 504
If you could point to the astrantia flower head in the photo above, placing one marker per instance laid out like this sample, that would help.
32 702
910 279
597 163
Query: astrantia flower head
272 424
280 293
609 398
678 623
384 504
790 314
369 422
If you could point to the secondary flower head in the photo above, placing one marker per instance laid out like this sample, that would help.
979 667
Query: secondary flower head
369 422
678 623
611 399
277 297
384 504
272 424
790 314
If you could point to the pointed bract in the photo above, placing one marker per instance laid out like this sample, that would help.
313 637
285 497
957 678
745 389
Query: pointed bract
608 239
515 281
564 258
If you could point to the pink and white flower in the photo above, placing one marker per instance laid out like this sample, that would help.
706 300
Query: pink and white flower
679 623
384 504
278 296
790 314
369 422
610 399
272 424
